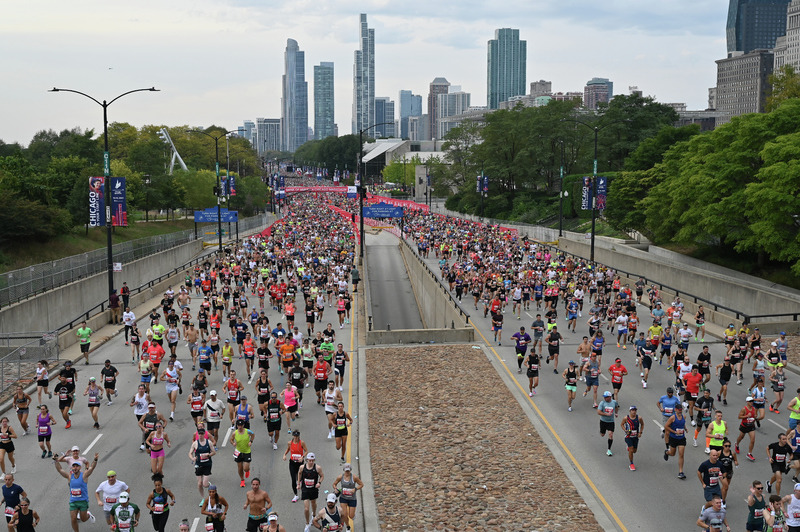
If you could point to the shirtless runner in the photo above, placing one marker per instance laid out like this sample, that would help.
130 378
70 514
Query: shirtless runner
260 505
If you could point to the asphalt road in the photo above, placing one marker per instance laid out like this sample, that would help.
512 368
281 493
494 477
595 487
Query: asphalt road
393 303
652 496
118 441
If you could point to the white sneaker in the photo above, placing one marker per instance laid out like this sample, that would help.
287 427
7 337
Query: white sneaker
109 403
641 374
307 528
708 450
341 389
13 469
91 517
644 384
141 447
694 423
294 499
274 446
330 435
694 442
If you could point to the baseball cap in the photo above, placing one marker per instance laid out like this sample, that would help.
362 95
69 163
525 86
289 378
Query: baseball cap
607 394
92 379
75 448
331 497
678 406
670 389
243 397
618 360
748 399
311 456
111 473
296 433
227 341
272 517
774 344
571 362
212 392
783 333
124 496
347 467
797 486
212 487
68 363
632 407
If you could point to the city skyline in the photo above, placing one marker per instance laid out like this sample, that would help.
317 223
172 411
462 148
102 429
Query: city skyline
669 52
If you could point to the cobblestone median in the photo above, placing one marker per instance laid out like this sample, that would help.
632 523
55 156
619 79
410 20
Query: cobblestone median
452 450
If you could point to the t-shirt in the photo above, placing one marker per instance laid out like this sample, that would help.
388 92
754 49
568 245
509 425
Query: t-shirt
617 372
109 493
608 408
124 516
713 518
522 339
242 440
710 472
11 495
83 334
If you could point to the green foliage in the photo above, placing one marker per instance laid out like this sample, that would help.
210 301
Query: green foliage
23 220
785 83
651 151
330 152
402 171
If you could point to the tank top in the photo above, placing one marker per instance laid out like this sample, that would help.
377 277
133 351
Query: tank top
159 502
290 396
572 377
199 384
320 372
203 453
43 423
717 433
340 421
310 478
172 377
750 417
262 387
215 509
330 401
41 375
348 488
332 520
242 442
144 366
679 429
242 413
296 451
157 441
233 389
197 403
533 362
274 411
633 427
94 396
149 421
25 522
140 404
77 488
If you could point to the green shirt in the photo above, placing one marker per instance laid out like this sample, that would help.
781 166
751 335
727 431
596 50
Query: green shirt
158 331
327 349
83 334
242 440
124 516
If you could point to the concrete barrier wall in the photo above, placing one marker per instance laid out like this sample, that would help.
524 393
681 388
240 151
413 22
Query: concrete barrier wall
438 311
53 309
421 336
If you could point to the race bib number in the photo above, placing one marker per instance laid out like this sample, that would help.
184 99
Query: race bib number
43 431
310 482
204 457
74 492
274 415
111 500
348 492
236 453
297 457
667 411
124 526
210 527
10 511
158 508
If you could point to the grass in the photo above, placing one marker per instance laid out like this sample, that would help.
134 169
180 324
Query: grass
582 225
78 241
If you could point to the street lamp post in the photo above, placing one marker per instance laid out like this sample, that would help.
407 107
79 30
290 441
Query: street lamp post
219 189
146 197
360 184
596 130
106 172
561 192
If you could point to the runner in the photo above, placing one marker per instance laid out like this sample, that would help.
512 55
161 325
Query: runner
341 420
553 340
309 479
675 428
724 371
704 407
728 460
12 494
777 379
617 371
714 517
78 491
570 377
709 473
259 505
583 351
108 494
158 502
146 366
24 519
759 395
148 422
109 375
666 404
289 397
43 423
42 380
331 397
84 335
214 410
340 357
125 514
607 409
755 507
322 370
171 377
242 440
521 339
95 394
747 426
538 333
155 442
592 371
328 517
774 516
779 454
22 403
691 383
201 453
215 508
350 484
272 415
233 389
633 427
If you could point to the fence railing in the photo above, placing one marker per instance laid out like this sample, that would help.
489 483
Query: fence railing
19 353
33 280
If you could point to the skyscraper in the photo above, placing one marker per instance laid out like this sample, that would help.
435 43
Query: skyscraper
506 64
755 24
364 78
384 112
453 103
597 90
438 86
294 103
268 135
323 101
410 105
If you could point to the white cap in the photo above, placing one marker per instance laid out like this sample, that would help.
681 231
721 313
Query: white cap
124 497
311 456
331 497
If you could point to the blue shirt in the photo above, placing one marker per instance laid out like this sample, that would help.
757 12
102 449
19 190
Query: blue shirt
11 495
668 404
77 488
204 352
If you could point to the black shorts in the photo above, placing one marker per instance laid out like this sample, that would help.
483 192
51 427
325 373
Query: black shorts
606 426
44 437
292 408
309 494
704 370
780 467
688 397
647 362
745 429
532 373
206 365
320 385
64 404
234 402
674 442
44 383
84 348
338 433
243 457
616 385
197 414
274 426
202 470
253 524
632 443
212 425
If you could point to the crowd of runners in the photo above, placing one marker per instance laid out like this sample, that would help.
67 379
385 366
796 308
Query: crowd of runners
209 338
507 278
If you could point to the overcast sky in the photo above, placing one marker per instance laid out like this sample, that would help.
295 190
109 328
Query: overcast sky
221 62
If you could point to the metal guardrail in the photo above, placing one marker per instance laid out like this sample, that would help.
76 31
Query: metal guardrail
27 282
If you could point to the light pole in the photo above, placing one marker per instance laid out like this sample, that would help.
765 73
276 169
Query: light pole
146 197
360 184
561 192
106 172
596 130
219 189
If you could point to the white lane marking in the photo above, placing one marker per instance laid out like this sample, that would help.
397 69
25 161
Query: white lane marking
227 437
659 425
194 524
606 378
92 444
784 429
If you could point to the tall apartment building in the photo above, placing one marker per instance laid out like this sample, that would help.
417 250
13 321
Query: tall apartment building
410 105
742 83
505 67
384 112
597 90
267 135
323 101
755 24
787 47
250 131
451 104
294 103
364 78
438 86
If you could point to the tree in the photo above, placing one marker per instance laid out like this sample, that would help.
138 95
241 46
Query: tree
651 151
785 84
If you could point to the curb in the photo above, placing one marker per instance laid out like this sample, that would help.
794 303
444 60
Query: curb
368 508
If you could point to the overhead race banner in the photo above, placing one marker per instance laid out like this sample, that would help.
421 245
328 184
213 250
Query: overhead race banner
97 204
119 203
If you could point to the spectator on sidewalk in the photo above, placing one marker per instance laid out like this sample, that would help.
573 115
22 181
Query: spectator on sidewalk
113 304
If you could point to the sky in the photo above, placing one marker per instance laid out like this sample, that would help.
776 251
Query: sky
220 62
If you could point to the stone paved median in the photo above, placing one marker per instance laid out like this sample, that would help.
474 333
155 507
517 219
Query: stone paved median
451 448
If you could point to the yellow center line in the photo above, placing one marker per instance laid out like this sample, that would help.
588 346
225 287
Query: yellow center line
554 433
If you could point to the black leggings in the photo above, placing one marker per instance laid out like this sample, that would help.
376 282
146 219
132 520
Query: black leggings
294 469
160 521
